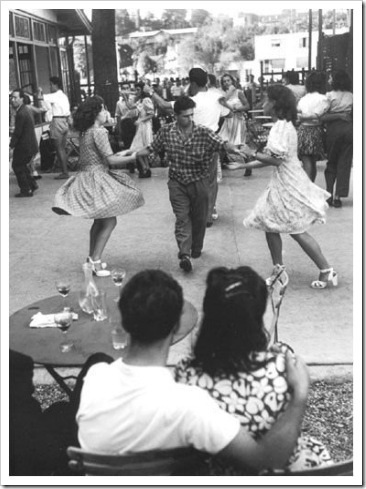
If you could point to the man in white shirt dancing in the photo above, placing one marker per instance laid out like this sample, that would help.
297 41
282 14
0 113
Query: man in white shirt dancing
58 103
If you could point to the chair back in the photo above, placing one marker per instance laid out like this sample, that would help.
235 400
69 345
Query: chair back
176 461
276 293
337 469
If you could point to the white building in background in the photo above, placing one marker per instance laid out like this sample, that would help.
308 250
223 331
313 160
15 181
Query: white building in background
283 52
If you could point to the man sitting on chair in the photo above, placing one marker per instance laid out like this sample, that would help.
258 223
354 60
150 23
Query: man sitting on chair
133 404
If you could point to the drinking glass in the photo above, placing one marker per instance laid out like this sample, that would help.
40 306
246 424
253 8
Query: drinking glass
63 321
118 274
119 338
63 286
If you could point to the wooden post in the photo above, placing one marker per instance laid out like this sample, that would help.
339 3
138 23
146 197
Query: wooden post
319 63
261 79
87 65
310 37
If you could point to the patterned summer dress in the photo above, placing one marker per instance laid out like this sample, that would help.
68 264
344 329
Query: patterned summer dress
144 133
257 399
310 133
291 203
233 129
96 192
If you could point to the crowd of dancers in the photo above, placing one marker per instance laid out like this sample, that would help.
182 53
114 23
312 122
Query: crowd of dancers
195 144
232 354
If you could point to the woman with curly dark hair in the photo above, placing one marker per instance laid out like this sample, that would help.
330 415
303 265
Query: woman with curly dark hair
232 360
310 133
100 190
339 137
291 203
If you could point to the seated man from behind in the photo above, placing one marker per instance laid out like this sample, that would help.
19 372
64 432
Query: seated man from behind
134 404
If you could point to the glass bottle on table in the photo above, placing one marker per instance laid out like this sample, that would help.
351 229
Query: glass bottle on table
89 290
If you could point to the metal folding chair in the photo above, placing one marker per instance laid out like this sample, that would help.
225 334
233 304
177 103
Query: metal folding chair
72 149
338 469
177 461
277 291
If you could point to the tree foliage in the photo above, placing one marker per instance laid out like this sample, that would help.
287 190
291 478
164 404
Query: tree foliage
200 17
124 25
175 19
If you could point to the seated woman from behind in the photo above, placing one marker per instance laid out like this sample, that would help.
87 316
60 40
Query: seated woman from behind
233 362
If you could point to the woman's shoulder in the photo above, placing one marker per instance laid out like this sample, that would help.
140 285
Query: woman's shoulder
98 131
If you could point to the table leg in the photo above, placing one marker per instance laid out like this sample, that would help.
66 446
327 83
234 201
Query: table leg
59 379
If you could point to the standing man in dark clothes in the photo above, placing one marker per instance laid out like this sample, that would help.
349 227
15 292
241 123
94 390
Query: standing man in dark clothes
24 143
190 149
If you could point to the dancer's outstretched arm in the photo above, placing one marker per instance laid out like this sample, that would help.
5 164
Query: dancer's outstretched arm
120 160
262 159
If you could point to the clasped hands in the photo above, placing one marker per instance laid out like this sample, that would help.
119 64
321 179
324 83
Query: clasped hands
247 151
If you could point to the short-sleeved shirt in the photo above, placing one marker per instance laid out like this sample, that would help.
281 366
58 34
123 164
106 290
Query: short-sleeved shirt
340 101
126 408
313 105
208 109
59 103
189 160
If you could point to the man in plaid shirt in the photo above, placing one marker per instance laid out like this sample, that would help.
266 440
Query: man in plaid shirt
189 148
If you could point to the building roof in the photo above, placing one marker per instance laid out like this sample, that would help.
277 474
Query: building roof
169 32
73 21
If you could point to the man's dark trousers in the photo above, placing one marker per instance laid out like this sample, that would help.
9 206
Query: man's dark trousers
190 206
20 166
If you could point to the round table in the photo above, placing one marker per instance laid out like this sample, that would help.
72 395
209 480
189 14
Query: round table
263 117
89 336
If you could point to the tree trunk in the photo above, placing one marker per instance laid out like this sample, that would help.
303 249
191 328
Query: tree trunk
105 57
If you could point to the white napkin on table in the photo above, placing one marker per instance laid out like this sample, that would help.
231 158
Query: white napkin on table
40 320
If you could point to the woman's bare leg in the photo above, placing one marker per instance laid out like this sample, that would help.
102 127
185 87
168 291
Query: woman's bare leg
274 242
308 165
313 250
101 234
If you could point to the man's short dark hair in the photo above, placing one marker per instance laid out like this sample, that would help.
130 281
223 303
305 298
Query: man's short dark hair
151 304
20 91
183 103
56 81
212 79
199 76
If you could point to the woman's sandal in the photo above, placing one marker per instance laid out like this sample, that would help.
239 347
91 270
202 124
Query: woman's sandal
278 271
99 268
322 284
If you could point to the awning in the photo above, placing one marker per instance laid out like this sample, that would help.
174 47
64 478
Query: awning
73 22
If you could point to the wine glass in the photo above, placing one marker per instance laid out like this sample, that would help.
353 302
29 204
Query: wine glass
63 321
118 274
63 286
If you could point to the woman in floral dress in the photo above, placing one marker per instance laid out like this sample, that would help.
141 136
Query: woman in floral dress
144 132
100 190
233 363
233 129
291 203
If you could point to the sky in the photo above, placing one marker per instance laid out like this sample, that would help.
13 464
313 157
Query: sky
221 7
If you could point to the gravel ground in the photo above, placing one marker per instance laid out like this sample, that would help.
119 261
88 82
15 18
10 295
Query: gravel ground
328 416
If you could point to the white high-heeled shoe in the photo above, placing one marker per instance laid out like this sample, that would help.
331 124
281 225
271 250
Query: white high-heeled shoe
99 272
277 272
322 284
